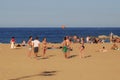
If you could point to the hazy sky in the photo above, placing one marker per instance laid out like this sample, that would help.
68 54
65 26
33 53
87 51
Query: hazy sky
54 13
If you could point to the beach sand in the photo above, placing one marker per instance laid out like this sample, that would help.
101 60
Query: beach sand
16 65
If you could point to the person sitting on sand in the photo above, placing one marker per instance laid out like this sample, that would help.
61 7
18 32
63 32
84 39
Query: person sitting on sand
103 49
23 43
64 48
114 47
18 46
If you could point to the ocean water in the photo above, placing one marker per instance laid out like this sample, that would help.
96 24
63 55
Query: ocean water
53 35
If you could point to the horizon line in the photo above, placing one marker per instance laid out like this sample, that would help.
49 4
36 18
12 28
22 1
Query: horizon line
61 27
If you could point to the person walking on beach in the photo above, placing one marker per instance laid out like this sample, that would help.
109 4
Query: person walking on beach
30 45
36 45
44 46
12 42
82 47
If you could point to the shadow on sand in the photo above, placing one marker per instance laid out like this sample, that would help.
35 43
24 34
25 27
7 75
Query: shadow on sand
72 56
45 73
47 57
87 56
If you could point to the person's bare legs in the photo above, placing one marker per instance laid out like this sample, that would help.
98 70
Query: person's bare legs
44 52
81 53
35 55
66 56
29 53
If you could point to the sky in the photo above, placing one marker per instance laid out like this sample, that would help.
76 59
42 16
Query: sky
54 13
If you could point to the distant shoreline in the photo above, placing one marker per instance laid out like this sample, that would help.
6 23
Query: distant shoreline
59 27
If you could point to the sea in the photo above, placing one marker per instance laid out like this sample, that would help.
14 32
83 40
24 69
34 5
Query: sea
54 34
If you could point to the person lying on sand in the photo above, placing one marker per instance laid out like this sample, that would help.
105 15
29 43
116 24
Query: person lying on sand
114 47
103 49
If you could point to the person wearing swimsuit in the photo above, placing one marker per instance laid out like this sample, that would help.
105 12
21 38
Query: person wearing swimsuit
44 44
82 47
65 48
30 43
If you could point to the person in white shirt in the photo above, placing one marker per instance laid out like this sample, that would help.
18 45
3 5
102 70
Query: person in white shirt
36 45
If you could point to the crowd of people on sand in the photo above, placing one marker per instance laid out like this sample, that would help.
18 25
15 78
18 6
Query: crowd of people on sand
13 43
34 45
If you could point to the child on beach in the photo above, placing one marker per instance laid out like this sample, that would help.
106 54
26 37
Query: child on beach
12 42
44 46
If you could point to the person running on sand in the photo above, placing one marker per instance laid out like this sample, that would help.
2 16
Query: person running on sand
30 44
12 42
82 47
44 46
36 45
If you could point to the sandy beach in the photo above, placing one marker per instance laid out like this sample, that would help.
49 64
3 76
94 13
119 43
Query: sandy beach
16 65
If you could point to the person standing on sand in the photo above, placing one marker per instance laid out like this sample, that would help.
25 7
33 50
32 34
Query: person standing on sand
88 39
82 47
36 45
12 42
44 46
111 37
68 46
30 45
65 49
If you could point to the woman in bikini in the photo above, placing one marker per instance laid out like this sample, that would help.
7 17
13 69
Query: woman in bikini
44 46
30 44
82 47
